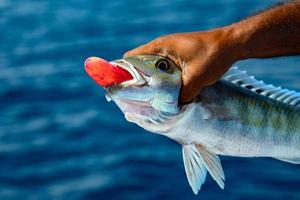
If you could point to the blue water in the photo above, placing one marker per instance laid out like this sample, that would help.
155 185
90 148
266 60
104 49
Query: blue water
60 139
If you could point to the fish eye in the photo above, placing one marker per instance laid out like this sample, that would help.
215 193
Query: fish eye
163 65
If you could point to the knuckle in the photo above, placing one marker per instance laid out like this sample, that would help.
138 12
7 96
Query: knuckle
158 41
188 77
128 53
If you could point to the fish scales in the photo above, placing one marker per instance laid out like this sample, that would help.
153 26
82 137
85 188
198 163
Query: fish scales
263 120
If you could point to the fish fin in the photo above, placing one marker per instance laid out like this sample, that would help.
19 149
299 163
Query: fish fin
194 167
290 160
251 84
213 165
213 111
197 161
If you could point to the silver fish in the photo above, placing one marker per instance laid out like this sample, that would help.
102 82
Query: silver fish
237 116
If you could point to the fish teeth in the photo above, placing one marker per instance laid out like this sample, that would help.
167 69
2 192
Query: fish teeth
107 97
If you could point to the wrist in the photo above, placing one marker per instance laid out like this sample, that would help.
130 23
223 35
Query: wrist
237 42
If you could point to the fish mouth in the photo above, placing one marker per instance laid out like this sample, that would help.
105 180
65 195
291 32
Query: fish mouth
140 78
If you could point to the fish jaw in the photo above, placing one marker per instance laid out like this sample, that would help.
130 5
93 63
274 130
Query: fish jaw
138 79
108 74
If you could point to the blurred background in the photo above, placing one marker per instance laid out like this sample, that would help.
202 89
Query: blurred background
60 139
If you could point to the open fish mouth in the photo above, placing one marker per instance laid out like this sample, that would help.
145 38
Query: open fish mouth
118 73
140 78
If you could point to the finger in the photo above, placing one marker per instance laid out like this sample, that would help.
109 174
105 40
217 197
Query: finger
134 51
191 84
187 93
193 81
149 48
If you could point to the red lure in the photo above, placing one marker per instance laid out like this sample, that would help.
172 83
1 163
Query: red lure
105 73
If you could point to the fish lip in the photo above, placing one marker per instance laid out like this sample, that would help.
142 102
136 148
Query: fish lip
139 77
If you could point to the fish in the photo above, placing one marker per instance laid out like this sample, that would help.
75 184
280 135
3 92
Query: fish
237 116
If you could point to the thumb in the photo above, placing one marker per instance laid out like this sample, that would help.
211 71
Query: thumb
191 85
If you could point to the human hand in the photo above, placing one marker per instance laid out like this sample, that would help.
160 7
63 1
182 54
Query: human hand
203 57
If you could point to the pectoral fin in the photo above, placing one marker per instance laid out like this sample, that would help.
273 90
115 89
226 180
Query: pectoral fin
213 164
197 161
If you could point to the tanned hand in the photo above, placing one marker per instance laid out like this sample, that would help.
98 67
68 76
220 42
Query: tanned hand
205 56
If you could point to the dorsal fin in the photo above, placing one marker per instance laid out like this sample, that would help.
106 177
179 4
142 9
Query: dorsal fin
243 80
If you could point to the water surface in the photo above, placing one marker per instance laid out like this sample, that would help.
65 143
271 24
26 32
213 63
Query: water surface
60 139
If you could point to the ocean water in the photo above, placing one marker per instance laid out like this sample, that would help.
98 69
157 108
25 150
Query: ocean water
60 139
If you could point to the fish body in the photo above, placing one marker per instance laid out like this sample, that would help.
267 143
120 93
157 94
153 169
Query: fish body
234 122
237 116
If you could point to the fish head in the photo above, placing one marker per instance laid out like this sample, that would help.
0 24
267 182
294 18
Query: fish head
156 82
152 88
